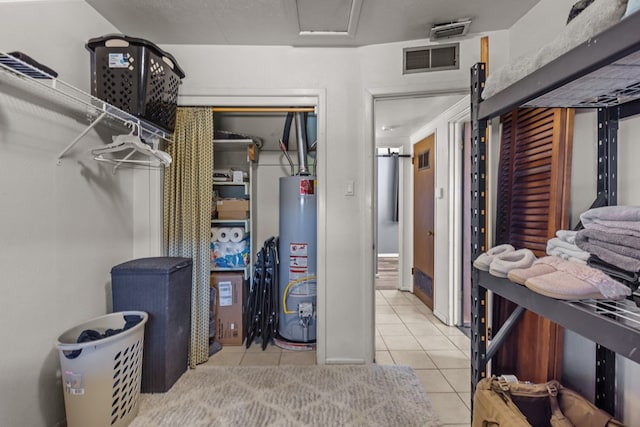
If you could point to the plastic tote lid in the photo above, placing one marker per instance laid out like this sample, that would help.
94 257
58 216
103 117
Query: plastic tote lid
120 40
153 265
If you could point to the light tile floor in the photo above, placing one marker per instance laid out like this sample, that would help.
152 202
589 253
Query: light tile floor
407 333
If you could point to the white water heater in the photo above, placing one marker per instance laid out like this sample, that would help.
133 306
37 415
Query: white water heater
298 253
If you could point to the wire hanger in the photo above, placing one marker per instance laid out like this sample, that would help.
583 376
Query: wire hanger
131 142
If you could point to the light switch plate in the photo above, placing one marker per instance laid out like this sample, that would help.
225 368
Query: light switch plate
350 188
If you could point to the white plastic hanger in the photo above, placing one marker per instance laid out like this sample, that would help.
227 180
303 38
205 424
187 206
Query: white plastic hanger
133 144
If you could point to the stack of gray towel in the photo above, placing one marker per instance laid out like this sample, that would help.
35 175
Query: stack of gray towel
612 236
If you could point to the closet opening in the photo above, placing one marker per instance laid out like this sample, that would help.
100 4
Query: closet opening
247 148
283 216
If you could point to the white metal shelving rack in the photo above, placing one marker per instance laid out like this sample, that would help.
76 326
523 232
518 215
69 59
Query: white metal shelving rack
74 102
247 224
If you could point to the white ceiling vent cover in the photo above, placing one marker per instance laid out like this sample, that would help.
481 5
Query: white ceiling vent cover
451 29
431 58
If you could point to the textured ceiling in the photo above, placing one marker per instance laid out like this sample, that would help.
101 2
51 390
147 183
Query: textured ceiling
284 22
278 22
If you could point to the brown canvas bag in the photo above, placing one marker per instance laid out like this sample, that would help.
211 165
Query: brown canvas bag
498 403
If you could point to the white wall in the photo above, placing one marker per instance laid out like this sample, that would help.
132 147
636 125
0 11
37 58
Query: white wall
348 76
538 27
578 362
243 69
63 226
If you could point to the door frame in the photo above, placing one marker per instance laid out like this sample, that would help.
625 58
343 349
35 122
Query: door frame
456 204
287 98
370 187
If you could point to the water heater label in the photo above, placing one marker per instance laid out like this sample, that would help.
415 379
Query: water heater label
307 187
298 262
299 249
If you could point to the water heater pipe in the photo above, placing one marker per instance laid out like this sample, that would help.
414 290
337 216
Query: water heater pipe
301 137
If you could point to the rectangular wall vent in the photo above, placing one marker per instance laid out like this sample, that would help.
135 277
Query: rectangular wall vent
431 58
450 29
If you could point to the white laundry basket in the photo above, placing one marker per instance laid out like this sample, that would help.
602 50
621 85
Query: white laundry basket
101 378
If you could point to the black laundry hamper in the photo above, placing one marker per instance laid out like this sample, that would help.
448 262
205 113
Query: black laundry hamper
160 286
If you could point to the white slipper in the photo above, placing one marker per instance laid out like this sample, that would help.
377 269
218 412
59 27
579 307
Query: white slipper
484 259
502 264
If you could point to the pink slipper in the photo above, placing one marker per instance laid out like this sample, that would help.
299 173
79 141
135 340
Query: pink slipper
544 265
576 281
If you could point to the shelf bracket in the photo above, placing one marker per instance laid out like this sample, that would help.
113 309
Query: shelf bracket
504 331
82 134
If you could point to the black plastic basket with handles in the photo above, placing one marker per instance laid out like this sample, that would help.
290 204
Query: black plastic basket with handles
136 76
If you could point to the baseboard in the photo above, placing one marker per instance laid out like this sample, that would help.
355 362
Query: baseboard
441 317
388 255
344 361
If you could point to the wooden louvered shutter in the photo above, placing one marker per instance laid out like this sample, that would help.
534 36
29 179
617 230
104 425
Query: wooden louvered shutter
532 204
505 174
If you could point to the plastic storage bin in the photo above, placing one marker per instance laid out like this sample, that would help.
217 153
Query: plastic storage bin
101 379
161 286
136 76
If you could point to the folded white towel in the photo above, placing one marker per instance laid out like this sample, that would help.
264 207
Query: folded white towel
566 250
568 236
565 256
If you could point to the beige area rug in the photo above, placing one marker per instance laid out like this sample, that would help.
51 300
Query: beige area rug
354 395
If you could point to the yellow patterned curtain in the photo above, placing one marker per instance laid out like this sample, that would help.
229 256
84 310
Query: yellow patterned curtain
187 214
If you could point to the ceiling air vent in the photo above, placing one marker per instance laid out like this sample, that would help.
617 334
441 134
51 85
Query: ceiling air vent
450 29
431 58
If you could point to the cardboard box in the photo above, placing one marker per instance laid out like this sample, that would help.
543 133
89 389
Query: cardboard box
232 205
233 214
230 297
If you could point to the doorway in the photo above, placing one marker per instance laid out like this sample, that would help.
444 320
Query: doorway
388 217
286 99
399 120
